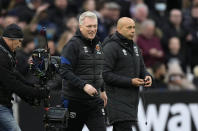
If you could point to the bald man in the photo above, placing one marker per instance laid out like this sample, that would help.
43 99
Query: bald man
124 72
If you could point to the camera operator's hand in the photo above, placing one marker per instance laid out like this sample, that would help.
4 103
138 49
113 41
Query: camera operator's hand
137 82
44 93
89 89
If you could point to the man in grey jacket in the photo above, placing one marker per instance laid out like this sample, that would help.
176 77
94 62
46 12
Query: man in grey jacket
124 72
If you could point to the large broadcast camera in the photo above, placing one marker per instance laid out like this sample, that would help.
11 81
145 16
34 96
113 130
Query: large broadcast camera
44 67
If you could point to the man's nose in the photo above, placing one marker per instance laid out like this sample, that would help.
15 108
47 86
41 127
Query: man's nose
92 28
20 44
133 30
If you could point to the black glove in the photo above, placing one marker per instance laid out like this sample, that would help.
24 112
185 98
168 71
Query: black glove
44 92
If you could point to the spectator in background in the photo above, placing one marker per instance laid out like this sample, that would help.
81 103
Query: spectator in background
65 37
6 20
192 37
176 78
89 5
158 11
174 28
9 19
187 17
57 13
113 14
108 13
141 14
28 10
33 28
112 29
114 11
195 79
175 54
22 23
159 75
150 44
52 47
132 7
71 24
102 14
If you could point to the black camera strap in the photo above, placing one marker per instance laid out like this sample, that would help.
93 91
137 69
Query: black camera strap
9 55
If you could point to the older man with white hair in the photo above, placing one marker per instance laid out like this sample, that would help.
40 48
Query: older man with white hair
81 69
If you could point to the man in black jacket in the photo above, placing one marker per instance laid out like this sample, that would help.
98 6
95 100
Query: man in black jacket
81 70
10 82
124 72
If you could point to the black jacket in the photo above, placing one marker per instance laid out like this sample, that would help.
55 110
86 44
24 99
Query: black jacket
81 63
123 61
11 81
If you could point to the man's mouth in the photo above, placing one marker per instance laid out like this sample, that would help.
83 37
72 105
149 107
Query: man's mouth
91 33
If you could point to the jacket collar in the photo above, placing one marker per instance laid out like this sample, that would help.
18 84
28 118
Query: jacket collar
124 42
122 39
3 43
85 40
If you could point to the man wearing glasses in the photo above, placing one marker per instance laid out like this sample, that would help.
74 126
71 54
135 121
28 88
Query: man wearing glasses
9 81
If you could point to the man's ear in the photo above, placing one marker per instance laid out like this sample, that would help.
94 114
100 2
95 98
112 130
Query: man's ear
12 45
80 27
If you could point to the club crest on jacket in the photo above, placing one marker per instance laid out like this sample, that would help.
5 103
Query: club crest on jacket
124 51
85 49
98 51
136 50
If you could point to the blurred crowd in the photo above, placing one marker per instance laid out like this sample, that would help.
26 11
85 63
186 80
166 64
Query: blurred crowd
166 32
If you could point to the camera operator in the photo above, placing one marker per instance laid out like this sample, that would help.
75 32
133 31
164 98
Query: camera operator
81 68
10 82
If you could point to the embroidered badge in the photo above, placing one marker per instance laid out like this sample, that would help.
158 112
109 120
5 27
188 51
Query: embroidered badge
98 49
124 51
72 114
103 111
136 51
85 49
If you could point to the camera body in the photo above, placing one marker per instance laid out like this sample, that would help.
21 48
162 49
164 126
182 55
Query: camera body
44 66
56 118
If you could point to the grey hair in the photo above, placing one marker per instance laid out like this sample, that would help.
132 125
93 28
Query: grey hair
139 6
147 22
86 14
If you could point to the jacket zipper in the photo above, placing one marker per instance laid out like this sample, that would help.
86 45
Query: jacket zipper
93 51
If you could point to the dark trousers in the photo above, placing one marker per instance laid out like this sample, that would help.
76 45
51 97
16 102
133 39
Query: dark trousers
123 126
91 114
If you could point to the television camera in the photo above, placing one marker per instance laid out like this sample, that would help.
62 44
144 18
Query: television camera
44 67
